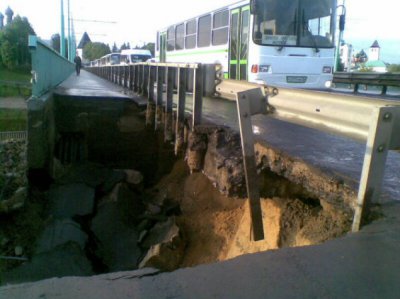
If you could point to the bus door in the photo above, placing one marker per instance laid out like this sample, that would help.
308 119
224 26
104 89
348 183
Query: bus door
239 43
163 46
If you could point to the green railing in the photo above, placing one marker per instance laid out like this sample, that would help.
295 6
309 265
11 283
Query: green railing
49 68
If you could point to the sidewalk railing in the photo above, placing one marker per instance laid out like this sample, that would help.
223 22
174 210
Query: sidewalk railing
48 67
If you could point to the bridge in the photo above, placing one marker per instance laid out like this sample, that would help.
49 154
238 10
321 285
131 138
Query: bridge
339 147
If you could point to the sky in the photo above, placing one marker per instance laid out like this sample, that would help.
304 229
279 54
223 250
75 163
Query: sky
137 22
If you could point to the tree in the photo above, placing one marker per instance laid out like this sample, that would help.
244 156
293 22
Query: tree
361 57
14 49
96 50
150 47
124 47
394 68
115 48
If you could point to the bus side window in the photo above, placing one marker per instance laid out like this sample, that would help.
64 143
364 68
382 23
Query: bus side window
171 38
204 36
190 38
220 28
179 37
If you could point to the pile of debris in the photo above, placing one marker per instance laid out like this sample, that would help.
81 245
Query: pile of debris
101 220
13 181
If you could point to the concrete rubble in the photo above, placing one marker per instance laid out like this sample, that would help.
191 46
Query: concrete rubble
97 224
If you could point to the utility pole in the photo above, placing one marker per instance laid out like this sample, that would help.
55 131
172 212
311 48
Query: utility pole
62 33
342 21
69 30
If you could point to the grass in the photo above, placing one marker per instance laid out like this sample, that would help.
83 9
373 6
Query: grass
13 91
13 120
14 75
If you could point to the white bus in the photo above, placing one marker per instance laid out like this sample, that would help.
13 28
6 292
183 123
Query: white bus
288 43
131 56
110 59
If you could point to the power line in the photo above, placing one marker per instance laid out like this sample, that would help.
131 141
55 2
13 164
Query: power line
94 21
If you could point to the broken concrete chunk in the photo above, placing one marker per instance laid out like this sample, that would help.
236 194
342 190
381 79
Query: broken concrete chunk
197 146
71 200
64 260
223 163
116 237
115 177
166 246
60 232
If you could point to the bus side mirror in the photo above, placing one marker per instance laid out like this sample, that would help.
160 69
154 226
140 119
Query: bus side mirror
253 6
342 22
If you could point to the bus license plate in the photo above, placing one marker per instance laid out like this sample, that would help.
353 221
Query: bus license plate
296 79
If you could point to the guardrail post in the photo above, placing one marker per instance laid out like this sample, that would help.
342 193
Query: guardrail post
140 78
159 101
150 113
197 96
168 126
381 139
251 102
136 78
145 82
180 114
131 73
120 74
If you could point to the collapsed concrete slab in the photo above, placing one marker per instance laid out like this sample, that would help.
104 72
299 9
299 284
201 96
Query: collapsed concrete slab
60 232
166 246
71 200
64 260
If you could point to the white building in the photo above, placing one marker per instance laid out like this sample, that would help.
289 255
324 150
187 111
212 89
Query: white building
374 52
346 56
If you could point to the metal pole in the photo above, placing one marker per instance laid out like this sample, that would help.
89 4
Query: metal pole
69 34
62 33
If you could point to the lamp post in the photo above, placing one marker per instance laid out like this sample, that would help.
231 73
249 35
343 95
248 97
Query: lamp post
62 33
342 21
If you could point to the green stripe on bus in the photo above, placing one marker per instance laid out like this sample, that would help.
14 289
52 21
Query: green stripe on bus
236 62
235 10
244 8
172 54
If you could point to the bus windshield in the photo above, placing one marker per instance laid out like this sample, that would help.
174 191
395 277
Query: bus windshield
299 23
139 57
115 59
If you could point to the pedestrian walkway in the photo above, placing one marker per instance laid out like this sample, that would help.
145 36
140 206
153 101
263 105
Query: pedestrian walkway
87 85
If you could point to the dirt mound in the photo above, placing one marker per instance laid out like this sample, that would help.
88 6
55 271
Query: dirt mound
217 227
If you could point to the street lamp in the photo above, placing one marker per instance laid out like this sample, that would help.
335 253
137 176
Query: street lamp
342 21
62 33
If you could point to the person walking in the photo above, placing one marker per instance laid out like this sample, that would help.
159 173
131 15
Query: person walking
78 64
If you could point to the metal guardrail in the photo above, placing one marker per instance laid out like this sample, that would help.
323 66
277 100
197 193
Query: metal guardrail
377 122
377 79
15 135
374 121
48 67
143 77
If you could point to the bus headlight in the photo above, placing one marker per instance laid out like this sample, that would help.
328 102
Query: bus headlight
328 84
327 69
